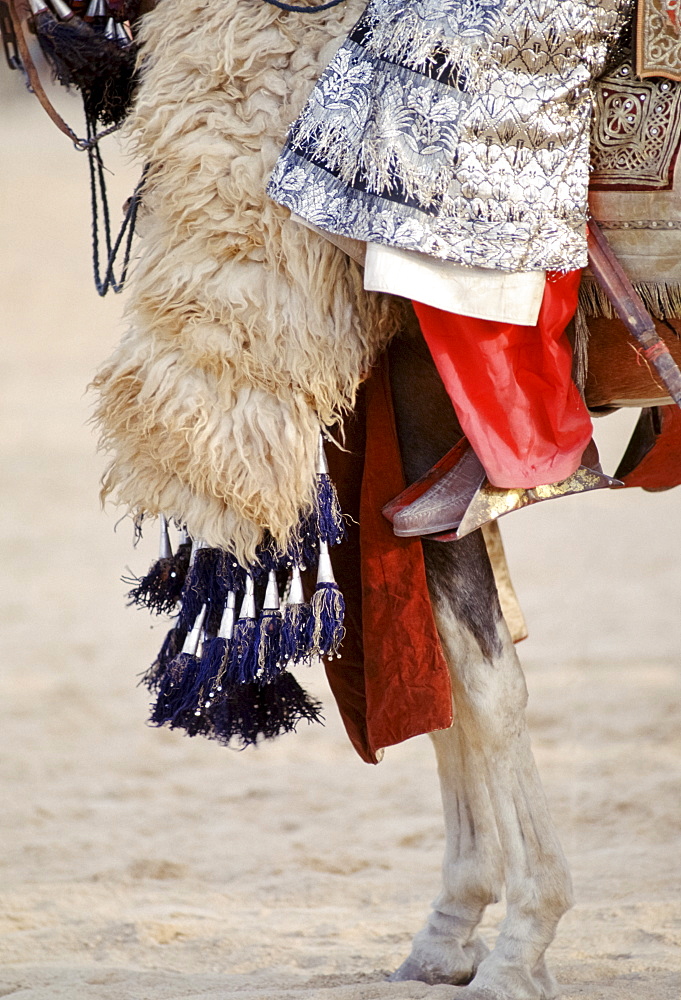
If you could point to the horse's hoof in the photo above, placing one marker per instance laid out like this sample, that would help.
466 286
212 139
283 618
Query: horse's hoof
412 971
480 993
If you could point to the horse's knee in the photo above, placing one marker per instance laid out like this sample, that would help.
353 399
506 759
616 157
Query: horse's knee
490 697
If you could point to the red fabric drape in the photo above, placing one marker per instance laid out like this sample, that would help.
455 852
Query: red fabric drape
392 681
512 388
407 678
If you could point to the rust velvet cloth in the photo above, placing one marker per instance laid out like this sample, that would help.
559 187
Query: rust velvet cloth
392 681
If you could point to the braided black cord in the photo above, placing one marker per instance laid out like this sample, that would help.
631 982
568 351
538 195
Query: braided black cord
98 197
128 227
98 193
297 9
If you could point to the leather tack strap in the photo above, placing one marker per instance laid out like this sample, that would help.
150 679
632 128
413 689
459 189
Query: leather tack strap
19 13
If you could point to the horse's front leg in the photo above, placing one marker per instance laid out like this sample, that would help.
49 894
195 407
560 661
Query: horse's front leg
498 829
448 949
490 697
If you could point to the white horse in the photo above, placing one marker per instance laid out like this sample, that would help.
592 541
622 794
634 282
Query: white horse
210 120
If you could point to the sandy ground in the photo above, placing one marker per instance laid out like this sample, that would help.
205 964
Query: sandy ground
140 864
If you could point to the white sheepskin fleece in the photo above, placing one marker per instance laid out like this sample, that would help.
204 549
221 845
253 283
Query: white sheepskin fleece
248 331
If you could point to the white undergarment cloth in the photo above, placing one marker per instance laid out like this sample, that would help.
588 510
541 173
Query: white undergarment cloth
484 293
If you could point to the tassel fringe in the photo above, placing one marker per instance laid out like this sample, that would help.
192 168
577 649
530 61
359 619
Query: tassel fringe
172 645
161 588
226 679
101 67
252 712
295 633
243 660
329 517
580 350
270 662
327 609
175 691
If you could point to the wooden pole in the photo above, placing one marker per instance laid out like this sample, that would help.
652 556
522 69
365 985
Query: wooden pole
629 306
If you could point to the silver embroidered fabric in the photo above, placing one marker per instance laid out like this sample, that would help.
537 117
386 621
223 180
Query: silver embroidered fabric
459 128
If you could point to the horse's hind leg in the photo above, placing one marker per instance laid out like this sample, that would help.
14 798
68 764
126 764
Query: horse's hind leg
497 821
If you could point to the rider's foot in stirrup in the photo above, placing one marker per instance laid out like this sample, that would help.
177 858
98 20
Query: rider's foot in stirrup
462 499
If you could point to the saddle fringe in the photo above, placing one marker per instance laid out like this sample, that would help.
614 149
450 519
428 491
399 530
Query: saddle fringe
663 301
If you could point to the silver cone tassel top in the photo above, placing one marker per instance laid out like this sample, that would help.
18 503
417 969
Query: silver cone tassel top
164 548
62 10
295 593
123 35
97 8
324 567
228 616
191 643
271 602
198 544
322 464
248 603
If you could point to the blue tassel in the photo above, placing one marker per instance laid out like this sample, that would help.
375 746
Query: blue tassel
177 704
295 638
172 645
268 558
211 666
269 644
228 576
251 712
234 573
269 632
223 578
199 587
161 588
302 551
214 660
176 691
330 524
212 575
243 655
304 548
328 611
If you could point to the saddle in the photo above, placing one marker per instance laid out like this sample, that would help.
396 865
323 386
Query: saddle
635 195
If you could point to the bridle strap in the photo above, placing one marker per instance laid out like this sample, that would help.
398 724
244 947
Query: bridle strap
19 12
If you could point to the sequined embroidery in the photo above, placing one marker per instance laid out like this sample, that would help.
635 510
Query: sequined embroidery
637 132
456 127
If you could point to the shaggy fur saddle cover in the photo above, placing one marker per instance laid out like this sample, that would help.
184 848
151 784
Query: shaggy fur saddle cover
248 332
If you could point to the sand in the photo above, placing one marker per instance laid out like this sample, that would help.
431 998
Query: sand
136 863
